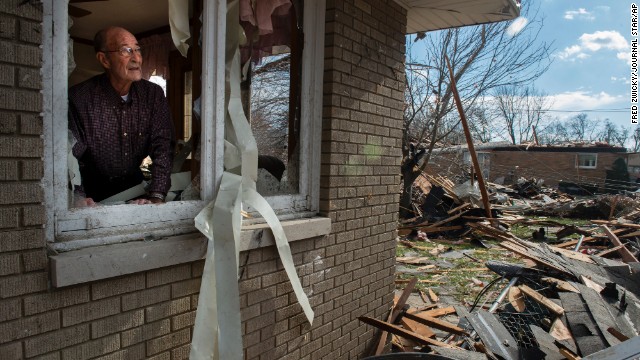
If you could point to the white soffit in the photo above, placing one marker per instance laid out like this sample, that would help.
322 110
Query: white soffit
428 15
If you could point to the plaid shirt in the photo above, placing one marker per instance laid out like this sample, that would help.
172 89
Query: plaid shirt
113 136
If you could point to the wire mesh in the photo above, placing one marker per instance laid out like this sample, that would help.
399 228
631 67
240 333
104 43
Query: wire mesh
519 323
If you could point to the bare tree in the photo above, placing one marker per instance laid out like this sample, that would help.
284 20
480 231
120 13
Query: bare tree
483 58
636 140
520 108
612 134
554 132
581 128
482 122
270 105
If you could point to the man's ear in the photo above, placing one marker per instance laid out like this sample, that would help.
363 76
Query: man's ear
103 60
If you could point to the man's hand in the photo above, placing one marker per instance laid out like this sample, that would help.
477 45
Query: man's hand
146 200
81 202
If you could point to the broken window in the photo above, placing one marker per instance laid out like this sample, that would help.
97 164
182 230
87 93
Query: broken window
484 159
70 29
272 58
186 84
586 161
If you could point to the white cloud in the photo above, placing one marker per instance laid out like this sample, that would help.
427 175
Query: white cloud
599 40
581 13
580 100
625 56
623 79
569 52
604 39
517 25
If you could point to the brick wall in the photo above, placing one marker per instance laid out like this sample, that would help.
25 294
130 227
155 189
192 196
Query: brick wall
552 167
150 315
360 184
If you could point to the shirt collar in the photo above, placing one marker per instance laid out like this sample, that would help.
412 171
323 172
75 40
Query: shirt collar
112 93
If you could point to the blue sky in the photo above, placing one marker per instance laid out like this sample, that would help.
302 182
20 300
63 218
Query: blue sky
592 52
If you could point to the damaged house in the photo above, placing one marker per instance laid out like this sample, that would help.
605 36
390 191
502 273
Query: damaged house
585 164
121 281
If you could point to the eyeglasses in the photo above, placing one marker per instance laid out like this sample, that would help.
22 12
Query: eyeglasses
126 51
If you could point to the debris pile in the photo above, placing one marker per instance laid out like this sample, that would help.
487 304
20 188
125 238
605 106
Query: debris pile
443 208
575 298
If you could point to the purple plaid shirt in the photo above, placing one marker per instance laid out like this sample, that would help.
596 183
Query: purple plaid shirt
114 136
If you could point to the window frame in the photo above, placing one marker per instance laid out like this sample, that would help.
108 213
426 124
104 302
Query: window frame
580 166
70 228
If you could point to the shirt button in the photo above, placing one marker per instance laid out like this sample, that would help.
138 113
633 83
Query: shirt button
126 153
125 134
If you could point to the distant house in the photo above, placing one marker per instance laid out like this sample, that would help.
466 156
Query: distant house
633 164
574 163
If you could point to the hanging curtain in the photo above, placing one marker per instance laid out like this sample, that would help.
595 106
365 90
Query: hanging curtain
267 24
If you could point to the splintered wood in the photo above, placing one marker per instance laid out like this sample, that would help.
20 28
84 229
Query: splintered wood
568 297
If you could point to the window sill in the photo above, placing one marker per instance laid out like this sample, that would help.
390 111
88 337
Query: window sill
103 262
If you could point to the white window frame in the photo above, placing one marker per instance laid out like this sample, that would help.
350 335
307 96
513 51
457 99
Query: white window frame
580 166
74 228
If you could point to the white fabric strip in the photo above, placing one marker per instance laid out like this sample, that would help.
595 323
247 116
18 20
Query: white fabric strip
217 330
179 23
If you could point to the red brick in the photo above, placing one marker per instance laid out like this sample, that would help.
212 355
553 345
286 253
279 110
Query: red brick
183 320
8 217
9 264
185 288
117 286
181 353
29 326
163 356
168 309
23 284
11 351
21 240
55 299
35 260
145 298
11 309
93 348
117 323
168 275
56 340
33 215
146 332
167 342
91 311
20 193
136 352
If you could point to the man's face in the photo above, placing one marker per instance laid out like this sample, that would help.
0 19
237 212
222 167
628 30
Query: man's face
122 69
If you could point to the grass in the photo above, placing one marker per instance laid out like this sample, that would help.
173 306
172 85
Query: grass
456 281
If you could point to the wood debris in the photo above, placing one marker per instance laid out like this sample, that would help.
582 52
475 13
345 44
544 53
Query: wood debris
572 298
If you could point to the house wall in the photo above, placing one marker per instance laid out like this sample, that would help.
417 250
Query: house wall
550 166
150 315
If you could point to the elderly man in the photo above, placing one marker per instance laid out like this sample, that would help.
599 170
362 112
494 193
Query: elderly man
117 119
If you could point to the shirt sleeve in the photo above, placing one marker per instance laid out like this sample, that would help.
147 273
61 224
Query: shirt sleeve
162 143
